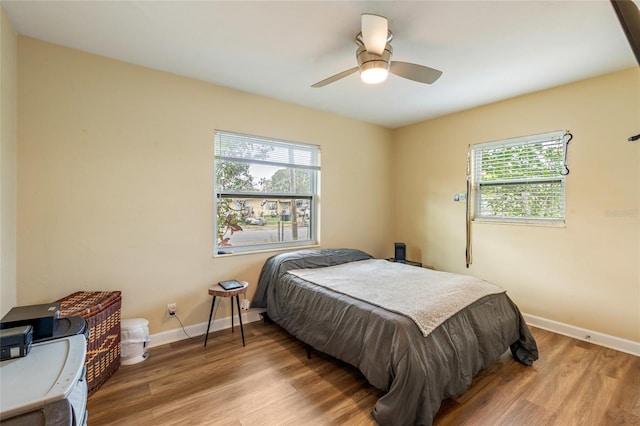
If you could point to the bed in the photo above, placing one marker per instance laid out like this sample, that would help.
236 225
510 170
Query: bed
366 312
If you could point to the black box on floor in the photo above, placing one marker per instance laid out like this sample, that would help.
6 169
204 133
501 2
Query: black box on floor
40 317
15 342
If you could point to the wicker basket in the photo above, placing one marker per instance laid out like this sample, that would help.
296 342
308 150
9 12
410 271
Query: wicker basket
101 310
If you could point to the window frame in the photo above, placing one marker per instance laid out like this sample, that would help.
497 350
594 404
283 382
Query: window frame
312 197
559 138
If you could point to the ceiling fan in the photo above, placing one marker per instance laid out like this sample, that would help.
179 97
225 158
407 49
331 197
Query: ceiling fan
374 57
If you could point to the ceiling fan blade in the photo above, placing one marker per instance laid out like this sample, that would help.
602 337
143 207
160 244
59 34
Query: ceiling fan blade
415 72
335 77
375 31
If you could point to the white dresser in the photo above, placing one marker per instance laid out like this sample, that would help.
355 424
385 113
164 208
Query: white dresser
47 387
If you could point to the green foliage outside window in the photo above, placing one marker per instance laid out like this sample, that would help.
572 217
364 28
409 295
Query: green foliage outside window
281 182
235 176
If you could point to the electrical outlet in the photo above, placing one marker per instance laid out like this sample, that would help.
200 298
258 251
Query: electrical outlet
245 304
171 309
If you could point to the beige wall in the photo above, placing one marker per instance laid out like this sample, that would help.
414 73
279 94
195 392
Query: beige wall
8 164
586 274
115 181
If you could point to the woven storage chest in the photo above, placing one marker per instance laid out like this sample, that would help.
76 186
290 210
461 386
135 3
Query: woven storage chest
101 310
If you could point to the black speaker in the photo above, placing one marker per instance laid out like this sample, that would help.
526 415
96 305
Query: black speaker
401 252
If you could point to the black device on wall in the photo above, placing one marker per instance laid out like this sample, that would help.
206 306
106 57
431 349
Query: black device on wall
400 252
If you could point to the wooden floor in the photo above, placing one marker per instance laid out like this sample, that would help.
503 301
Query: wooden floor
271 382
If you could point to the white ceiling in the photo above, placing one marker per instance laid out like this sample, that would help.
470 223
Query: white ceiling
487 51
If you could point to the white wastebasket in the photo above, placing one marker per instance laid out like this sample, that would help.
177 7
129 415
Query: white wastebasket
134 337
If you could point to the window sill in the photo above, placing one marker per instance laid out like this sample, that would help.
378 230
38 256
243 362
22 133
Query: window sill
524 222
267 250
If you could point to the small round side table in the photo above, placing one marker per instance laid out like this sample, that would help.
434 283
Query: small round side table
217 291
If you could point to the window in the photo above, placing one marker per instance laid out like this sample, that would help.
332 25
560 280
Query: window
521 180
257 181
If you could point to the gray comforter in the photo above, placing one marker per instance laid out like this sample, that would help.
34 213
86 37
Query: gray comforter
416 372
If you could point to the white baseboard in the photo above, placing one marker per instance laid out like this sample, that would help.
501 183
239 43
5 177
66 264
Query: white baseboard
606 340
194 330
617 343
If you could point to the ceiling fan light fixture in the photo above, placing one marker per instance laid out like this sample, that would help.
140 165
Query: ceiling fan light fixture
374 75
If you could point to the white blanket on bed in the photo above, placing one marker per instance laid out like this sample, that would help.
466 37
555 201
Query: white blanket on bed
427 297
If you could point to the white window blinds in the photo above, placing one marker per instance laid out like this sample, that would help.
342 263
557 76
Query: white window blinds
521 179
257 150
